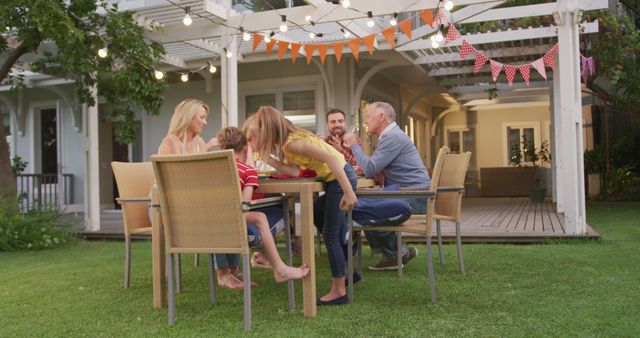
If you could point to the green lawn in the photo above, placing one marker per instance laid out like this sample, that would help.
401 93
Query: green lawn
566 288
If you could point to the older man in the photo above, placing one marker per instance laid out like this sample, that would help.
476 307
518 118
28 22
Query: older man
398 159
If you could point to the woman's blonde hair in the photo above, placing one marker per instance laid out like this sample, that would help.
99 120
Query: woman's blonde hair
182 116
271 129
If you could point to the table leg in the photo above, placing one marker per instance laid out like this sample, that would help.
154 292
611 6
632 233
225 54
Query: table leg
306 220
158 262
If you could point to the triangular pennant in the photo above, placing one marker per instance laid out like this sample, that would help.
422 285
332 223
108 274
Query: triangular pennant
480 61
592 65
369 40
337 50
441 18
496 67
510 71
583 68
390 35
355 48
282 48
539 66
270 45
465 49
549 59
556 48
452 34
295 48
257 38
405 27
322 50
309 49
525 70
427 16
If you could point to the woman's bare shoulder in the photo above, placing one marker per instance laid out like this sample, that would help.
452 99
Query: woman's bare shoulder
170 145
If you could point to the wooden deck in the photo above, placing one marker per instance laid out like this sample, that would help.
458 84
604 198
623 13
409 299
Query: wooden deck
486 220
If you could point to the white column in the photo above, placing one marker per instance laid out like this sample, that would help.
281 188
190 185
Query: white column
557 159
229 82
92 166
571 147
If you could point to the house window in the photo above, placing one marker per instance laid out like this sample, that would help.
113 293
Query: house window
461 140
515 134
299 106
253 102
48 141
7 129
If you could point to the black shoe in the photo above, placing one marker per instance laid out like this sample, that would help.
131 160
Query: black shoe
356 279
409 255
337 301
386 263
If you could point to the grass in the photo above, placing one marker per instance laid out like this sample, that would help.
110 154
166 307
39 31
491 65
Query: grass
568 288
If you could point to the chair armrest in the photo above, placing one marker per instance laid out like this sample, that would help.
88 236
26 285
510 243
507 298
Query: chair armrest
450 189
408 193
133 200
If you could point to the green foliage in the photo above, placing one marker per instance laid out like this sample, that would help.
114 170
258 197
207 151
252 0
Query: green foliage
529 156
35 230
18 165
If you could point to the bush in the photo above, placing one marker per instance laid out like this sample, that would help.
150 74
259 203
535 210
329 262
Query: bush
35 230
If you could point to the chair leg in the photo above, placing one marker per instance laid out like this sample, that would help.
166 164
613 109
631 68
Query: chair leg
440 249
287 235
459 242
246 291
196 260
399 254
319 247
127 261
171 306
350 257
178 273
212 279
359 241
431 273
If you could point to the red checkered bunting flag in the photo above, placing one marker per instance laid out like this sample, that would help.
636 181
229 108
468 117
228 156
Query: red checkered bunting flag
466 49
549 59
592 65
510 71
452 34
441 18
556 48
480 61
525 71
539 66
496 67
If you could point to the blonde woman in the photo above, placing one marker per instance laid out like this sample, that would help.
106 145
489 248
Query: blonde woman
287 148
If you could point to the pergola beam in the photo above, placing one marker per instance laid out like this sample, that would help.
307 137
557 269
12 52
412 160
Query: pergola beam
530 11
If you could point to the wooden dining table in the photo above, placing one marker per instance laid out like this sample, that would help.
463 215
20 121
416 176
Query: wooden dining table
304 188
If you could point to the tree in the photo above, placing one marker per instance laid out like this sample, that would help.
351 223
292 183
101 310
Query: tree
65 37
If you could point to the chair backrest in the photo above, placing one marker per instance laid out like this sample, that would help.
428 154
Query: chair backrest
134 180
454 169
201 202
437 168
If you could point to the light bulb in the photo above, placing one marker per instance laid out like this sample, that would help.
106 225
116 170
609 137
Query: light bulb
212 69
103 52
439 37
184 77
246 36
434 44
346 3
229 54
158 74
312 35
267 38
307 18
283 27
347 34
370 23
393 21
448 5
187 21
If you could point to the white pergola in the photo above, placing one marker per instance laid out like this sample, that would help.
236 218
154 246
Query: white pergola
214 30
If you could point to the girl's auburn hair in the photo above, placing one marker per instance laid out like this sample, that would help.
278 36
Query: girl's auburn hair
232 138
271 129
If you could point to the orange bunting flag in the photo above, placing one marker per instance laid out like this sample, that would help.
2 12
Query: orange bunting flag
257 38
270 46
369 40
405 27
390 35
337 49
427 16
282 48
295 48
322 50
355 48
309 49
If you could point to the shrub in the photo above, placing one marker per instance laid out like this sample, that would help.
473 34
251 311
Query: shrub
35 230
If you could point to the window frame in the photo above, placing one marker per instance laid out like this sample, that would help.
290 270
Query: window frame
506 152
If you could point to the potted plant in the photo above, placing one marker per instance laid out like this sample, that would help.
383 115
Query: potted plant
529 156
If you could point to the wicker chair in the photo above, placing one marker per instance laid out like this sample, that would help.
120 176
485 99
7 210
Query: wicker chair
420 224
202 211
134 182
449 206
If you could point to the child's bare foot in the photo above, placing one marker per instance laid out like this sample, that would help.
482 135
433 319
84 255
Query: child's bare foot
258 260
290 273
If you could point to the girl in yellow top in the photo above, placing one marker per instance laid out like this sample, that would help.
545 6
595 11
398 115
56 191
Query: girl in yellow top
287 148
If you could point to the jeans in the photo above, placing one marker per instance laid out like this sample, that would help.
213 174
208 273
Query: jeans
335 222
276 223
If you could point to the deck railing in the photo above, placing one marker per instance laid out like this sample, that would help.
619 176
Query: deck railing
42 191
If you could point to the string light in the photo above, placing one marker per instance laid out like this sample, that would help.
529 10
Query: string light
346 3
267 38
184 77
312 35
394 19
103 52
283 25
212 68
159 75
307 18
434 43
370 22
245 35
227 53
187 21
346 33
448 5
439 37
